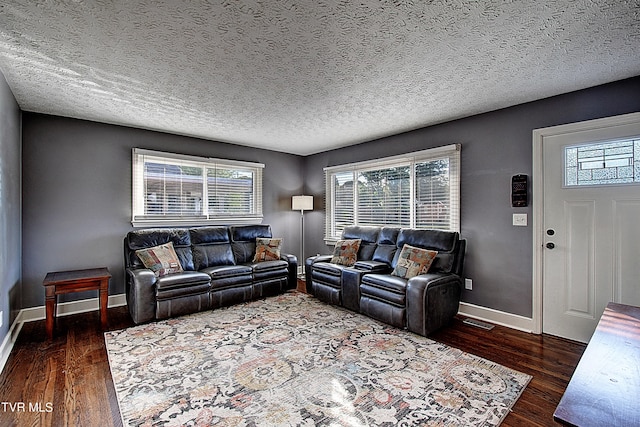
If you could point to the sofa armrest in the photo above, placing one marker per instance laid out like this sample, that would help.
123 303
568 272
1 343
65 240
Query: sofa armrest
292 277
141 294
373 267
309 266
432 301
319 258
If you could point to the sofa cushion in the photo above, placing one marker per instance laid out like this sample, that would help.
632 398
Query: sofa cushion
182 284
267 249
368 236
328 274
328 268
211 247
162 259
269 265
385 282
445 242
209 235
249 233
148 238
386 246
243 241
270 270
212 255
229 276
184 279
413 261
221 271
346 252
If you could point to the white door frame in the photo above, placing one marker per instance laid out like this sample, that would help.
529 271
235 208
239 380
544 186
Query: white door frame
537 190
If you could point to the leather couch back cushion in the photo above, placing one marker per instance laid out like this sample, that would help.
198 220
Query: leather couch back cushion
211 246
148 238
386 248
368 237
243 239
365 234
442 241
210 255
248 233
209 235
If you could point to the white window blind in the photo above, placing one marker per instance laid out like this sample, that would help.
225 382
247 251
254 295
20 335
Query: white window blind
417 190
176 189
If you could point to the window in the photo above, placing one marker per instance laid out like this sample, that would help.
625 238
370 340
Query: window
607 163
176 189
417 190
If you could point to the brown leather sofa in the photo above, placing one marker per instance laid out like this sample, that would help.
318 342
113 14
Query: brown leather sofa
218 271
421 304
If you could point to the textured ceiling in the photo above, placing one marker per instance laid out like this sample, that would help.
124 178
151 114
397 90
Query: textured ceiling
305 76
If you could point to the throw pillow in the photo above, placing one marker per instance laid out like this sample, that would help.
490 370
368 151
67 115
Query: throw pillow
267 249
346 252
413 262
162 259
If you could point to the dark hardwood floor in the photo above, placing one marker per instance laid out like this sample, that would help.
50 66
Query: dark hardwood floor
67 382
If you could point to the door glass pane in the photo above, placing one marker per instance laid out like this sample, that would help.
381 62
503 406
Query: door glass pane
602 163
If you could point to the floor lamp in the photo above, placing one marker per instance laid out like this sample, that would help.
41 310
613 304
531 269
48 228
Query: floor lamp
302 203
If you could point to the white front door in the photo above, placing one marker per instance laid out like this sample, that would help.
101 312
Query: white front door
590 225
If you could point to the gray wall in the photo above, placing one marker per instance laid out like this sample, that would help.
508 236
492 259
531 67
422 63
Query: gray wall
495 146
77 194
10 216
77 188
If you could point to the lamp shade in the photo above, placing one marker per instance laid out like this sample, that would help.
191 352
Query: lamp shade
302 203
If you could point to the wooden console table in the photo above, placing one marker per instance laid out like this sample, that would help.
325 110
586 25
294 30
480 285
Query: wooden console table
605 387
64 282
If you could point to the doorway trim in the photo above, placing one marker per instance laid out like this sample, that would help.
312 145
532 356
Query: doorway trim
537 190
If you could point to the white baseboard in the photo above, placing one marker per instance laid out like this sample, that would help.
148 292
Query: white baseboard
39 313
497 317
73 307
9 341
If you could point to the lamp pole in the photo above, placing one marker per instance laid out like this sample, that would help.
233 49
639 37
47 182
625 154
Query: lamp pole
302 242
302 203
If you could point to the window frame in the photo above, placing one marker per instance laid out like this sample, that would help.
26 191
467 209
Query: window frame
141 219
410 160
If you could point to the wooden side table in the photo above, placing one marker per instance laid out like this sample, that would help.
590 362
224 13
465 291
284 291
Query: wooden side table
64 282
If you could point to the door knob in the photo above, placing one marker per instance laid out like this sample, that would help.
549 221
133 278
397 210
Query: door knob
550 245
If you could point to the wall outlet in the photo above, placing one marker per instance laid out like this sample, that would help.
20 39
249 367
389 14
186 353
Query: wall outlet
1 318
520 220
468 284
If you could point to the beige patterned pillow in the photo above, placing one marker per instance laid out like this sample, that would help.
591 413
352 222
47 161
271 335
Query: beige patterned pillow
346 252
267 249
413 262
162 260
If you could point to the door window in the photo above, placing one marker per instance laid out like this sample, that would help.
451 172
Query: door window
607 163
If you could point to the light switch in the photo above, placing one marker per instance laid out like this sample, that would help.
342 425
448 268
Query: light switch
520 220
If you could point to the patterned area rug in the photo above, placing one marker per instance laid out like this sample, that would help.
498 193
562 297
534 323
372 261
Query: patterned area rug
292 360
